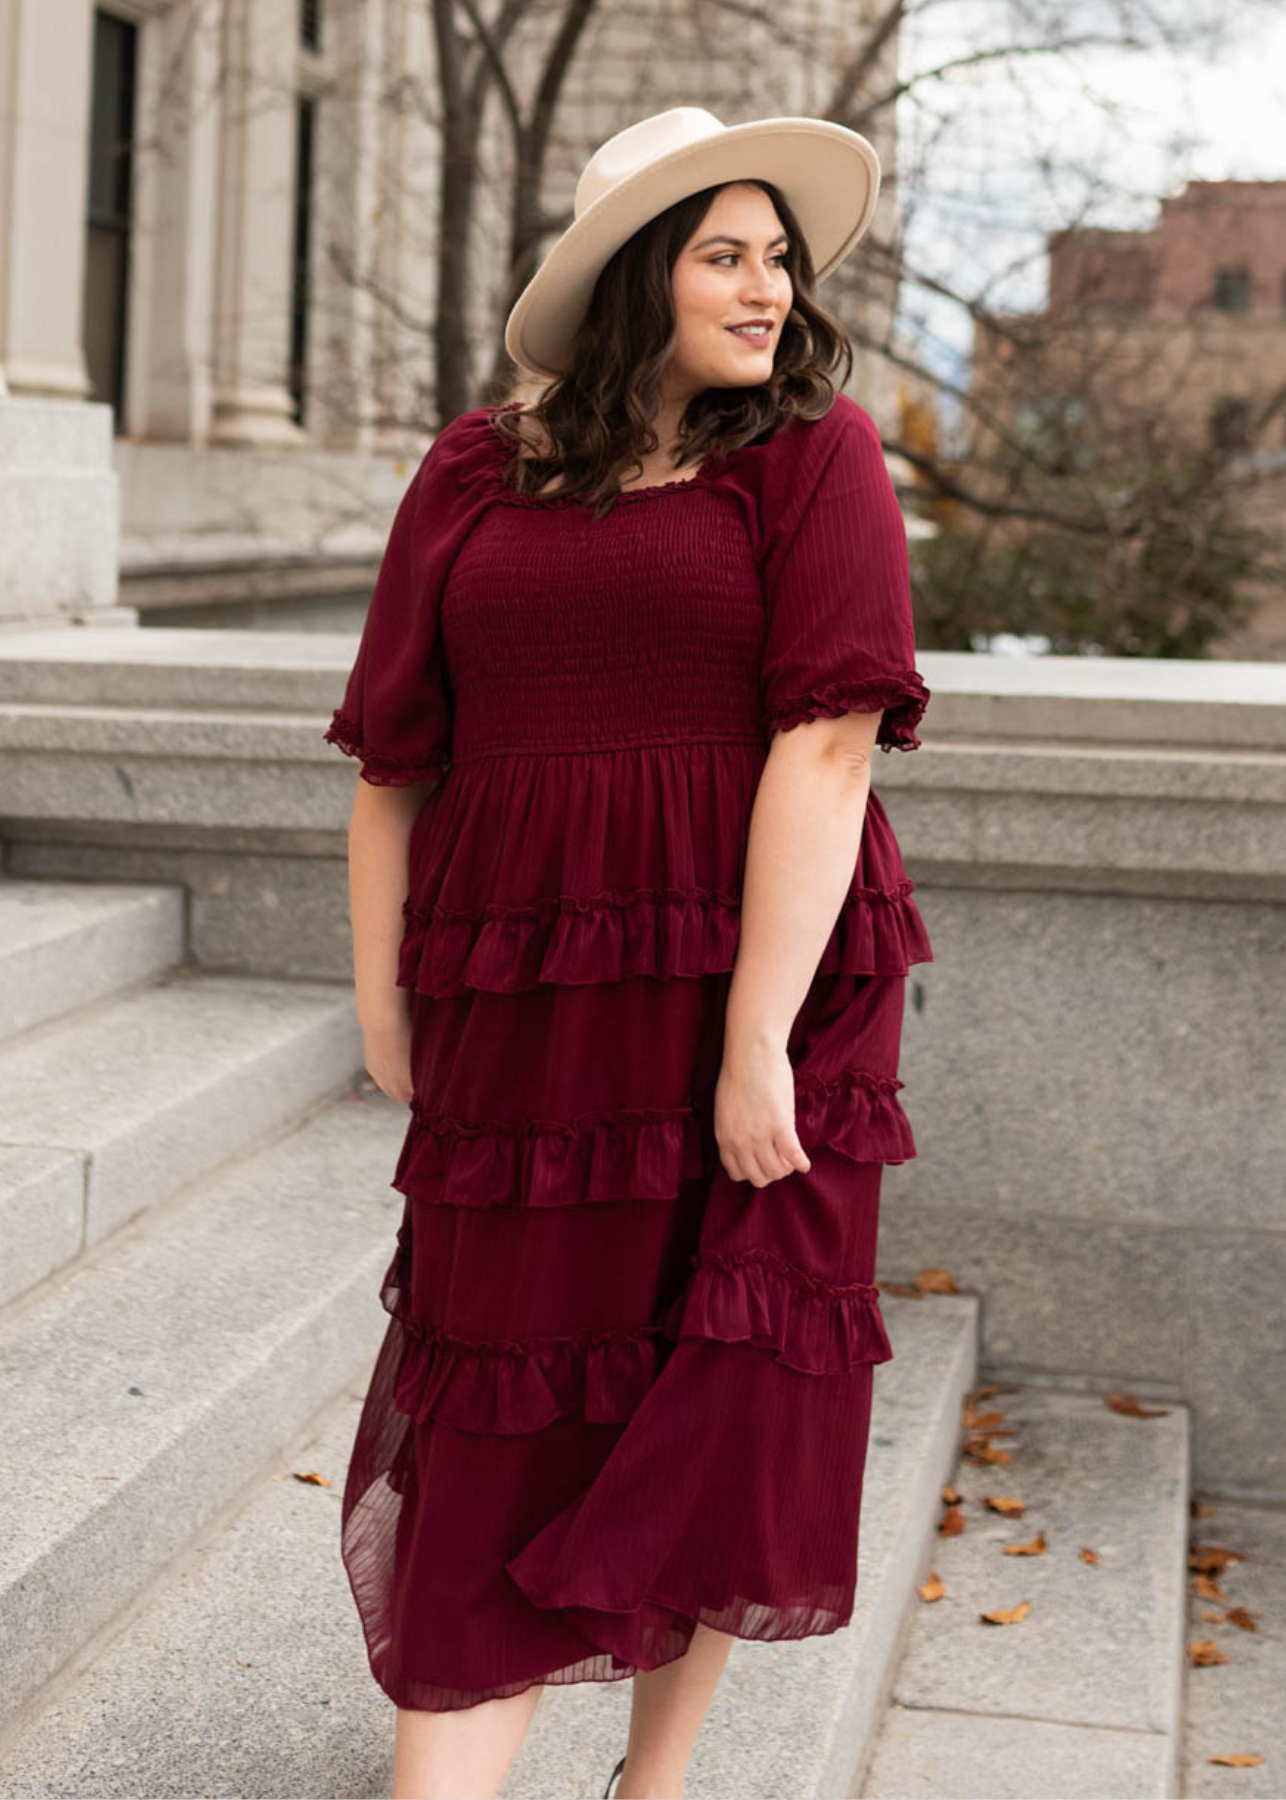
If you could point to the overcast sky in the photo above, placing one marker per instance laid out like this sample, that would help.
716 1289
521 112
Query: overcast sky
1012 150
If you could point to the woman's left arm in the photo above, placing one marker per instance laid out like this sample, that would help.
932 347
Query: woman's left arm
804 836
839 681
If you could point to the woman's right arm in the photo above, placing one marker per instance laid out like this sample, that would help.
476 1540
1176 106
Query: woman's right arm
379 834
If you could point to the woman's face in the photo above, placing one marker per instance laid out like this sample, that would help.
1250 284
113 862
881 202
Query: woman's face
732 271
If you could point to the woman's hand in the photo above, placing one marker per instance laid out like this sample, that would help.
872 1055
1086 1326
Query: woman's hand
754 1114
388 1049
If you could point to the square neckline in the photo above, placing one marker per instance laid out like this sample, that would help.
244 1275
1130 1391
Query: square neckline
513 496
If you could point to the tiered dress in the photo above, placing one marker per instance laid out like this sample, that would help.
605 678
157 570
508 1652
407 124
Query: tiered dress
620 1392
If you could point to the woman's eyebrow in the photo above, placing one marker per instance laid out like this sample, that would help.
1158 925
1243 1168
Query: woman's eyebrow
738 243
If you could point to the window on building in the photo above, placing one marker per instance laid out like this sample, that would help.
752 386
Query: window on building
310 23
305 137
1232 289
1230 424
104 315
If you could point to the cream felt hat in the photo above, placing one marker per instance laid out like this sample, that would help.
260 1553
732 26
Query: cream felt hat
829 175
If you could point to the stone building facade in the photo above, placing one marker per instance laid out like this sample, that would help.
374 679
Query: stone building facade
219 217
183 182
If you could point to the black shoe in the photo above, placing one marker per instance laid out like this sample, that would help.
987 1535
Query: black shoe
612 1777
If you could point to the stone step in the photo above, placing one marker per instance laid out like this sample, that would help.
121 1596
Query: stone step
66 943
251 1659
109 1109
1234 1707
143 1393
1080 1698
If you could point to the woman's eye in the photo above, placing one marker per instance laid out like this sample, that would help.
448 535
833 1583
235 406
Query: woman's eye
780 257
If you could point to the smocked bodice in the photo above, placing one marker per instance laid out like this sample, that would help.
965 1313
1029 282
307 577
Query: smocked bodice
564 632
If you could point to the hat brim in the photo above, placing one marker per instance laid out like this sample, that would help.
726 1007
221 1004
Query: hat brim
829 175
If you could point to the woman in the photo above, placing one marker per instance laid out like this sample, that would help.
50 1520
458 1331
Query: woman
629 654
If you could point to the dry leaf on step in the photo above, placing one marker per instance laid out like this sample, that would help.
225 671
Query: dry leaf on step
952 1522
1007 1615
935 1281
1035 1548
1130 1406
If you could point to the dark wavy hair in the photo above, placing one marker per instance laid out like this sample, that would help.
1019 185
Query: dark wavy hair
597 415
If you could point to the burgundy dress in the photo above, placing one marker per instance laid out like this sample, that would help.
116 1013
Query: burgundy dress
620 1392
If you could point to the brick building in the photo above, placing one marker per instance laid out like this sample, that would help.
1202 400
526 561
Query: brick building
1182 326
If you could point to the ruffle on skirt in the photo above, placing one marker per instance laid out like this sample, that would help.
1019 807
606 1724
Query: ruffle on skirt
752 1296
636 1153
611 937
525 1385
587 867
756 1296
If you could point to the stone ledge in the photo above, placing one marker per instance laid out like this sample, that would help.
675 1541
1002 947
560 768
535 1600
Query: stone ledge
279 734
124 751
1036 703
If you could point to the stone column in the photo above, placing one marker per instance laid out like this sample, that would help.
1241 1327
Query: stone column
375 203
252 403
406 244
176 211
57 489
45 51
350 217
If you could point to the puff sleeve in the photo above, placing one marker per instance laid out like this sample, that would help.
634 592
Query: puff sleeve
396 712
839 634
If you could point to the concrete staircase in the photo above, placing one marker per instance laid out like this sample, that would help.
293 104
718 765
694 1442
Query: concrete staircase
1081 1697
194 1214
195 1210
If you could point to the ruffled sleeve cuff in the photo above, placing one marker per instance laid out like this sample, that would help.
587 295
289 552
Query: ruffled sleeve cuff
379 769
902 698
